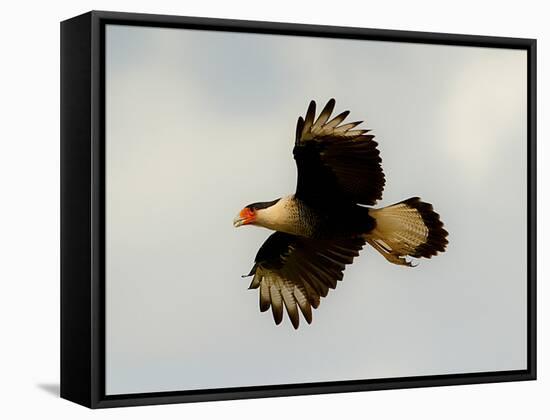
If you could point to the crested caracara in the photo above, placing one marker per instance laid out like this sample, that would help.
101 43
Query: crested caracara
322 227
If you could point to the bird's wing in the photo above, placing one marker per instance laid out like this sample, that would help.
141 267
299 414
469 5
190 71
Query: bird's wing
296 272
336 161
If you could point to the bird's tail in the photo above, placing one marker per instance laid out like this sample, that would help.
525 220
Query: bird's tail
410 228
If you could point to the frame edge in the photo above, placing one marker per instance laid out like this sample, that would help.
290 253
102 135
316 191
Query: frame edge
532 207
75 160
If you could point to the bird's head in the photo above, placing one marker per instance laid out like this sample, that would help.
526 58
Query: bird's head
252 214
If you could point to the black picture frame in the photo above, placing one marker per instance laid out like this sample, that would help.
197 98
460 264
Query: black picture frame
83 210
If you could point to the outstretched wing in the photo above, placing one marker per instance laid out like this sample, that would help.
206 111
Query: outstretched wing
296 272
336 161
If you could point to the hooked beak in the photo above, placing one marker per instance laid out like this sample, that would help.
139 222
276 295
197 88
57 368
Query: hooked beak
245 217
238 221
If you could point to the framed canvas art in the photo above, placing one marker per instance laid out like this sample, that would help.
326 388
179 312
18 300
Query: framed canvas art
254 209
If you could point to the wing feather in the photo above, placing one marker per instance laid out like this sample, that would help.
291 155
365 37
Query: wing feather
287 292
324 115
276 304
336 120
300 294
265 296
336 162
346 127
295 272
308 122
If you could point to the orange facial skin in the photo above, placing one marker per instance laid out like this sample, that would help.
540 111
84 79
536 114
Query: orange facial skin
248 215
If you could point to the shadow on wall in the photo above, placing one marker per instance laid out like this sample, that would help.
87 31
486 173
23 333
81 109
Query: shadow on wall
52 389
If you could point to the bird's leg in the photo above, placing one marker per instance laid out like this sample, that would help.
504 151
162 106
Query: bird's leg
389 254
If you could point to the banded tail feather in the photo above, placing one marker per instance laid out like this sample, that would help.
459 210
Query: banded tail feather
410 228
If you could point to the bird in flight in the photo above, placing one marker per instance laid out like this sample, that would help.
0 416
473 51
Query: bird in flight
322 226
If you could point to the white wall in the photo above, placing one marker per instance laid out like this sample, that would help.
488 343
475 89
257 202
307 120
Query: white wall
29 177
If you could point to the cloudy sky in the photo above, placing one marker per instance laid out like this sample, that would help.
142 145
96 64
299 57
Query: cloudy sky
201 123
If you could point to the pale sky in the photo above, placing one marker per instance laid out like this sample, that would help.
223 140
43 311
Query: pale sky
201 123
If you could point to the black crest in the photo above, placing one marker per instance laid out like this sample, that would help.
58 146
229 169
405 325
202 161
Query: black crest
262 205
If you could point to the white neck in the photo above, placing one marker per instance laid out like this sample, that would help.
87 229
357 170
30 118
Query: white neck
283 216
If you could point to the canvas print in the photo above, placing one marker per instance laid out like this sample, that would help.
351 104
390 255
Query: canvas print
379 190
